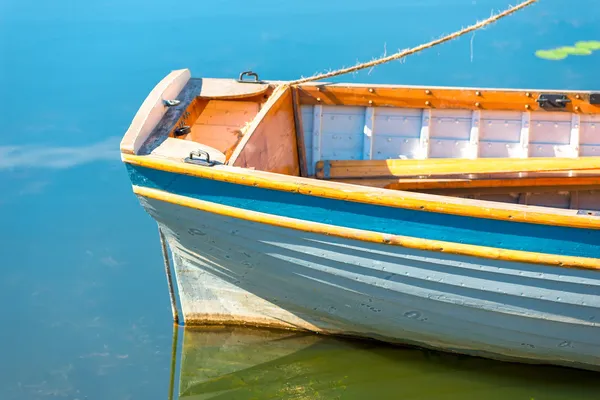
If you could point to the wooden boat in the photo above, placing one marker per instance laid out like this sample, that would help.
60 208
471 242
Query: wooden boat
460 219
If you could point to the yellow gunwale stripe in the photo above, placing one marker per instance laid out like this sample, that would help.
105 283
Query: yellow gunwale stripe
374 196
370 236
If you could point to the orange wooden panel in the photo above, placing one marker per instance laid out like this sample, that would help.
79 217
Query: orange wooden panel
422 97
270 142
219 123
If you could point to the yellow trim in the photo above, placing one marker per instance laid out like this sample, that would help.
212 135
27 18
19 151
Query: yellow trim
369 236
340 169
375 196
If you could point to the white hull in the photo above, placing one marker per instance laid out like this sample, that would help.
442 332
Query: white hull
238 272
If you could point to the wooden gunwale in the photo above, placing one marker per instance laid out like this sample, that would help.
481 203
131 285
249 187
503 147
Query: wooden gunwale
424 97
374 196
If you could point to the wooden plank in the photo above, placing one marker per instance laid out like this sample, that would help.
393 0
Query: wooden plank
504 185
152 110
375 196
474 134
575 134
525 134
300 142
368 131
460 192
270 141
215 88
484 181
574 200
317 134
425 134
220 123
178 149
327 169
430 97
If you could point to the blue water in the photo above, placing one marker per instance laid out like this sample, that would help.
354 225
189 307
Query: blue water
84 307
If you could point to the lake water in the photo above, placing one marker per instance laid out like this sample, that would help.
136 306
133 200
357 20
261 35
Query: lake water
85 310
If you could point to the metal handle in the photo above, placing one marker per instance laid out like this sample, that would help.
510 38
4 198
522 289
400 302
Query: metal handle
249 73
200 161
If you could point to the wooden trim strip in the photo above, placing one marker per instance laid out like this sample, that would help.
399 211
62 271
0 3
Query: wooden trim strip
299 127
370 236
374 196
339 169
438 97
525 184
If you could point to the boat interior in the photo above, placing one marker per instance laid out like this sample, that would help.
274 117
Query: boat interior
512 146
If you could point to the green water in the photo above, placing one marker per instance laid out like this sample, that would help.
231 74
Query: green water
237 363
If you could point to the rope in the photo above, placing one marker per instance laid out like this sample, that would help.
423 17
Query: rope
169 277
404 53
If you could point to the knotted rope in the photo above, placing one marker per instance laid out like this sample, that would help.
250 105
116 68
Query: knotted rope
404 53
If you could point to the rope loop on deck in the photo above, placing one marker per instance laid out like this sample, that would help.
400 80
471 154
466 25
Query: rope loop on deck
407 52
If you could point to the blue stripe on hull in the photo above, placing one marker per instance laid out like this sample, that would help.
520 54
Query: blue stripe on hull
428 225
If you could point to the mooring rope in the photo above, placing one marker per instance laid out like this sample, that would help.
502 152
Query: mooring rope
168 273
404 53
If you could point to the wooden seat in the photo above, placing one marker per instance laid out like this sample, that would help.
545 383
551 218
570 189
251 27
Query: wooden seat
465 175
336 169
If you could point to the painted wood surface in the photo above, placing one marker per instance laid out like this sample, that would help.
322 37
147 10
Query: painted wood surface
450 246
389 200
179 149
223 89
240 272
439 98
299 130
550 239
220 123
270 143
153 110
460 181
408 133
451 166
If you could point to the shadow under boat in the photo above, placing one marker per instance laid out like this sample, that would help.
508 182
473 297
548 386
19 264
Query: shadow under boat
248 363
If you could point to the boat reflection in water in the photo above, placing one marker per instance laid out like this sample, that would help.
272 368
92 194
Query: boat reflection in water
242 363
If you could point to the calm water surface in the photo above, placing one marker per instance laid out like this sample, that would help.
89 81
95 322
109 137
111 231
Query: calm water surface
85 311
